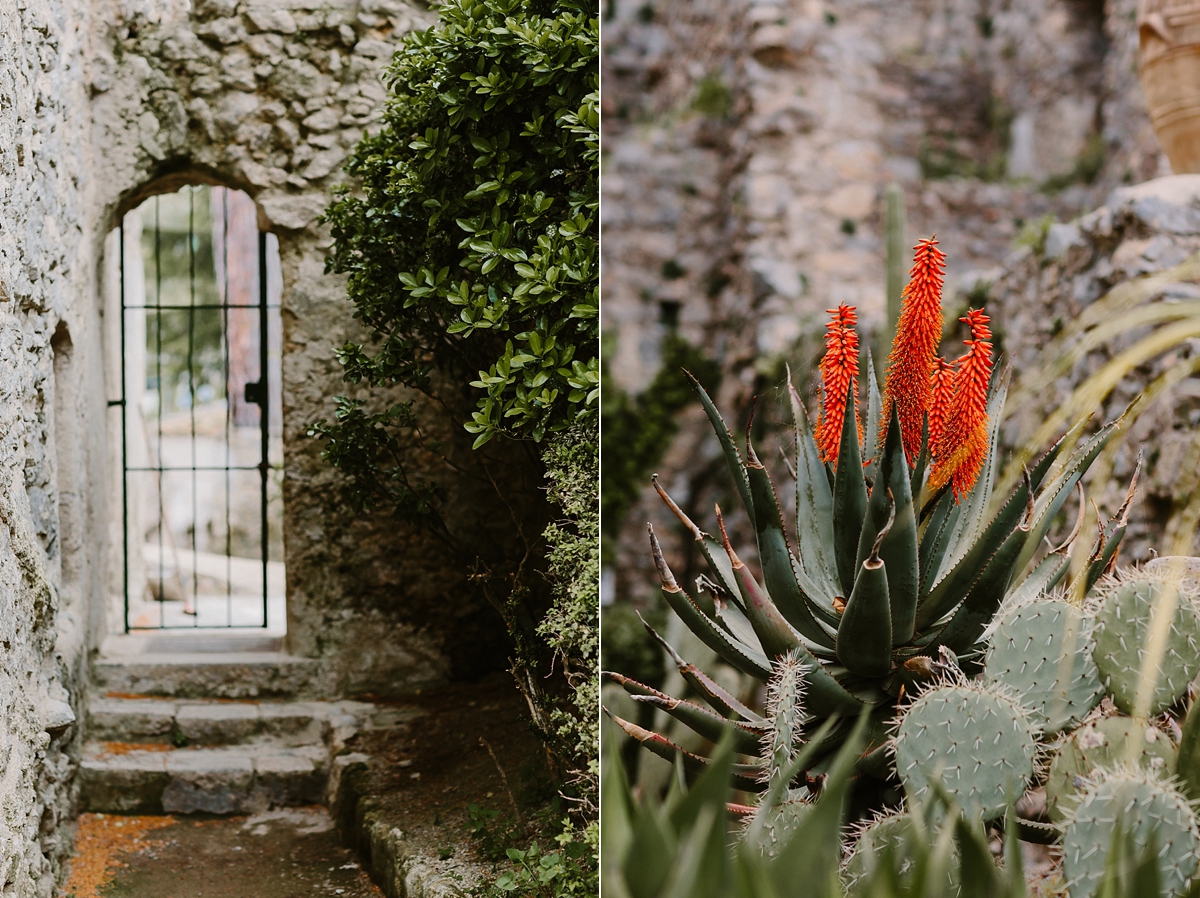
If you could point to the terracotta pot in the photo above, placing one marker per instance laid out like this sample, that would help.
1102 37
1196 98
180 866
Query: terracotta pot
1169 68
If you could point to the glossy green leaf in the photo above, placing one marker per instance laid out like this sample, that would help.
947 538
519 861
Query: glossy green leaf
728 447
849 500
814 508
891 505
864 638
775 557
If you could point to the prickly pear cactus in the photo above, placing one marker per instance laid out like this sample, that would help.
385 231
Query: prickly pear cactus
1145 804
780 813
893 838
1123 636
773 825
973 740
1043 651
1104 744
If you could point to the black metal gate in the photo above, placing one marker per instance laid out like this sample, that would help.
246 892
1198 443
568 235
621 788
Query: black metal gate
201 449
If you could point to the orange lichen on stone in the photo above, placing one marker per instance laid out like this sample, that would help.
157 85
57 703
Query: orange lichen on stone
918 333
124 748
100 840
839 376
959 454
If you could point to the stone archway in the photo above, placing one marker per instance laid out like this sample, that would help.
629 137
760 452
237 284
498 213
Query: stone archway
271 101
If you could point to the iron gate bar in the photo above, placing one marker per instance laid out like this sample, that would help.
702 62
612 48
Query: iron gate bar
263 405
124 437
228 406
256 393
158 386
151 468
191 399
211 306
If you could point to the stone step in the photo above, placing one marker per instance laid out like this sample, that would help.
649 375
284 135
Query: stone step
136 779
203 664
198 722
206 674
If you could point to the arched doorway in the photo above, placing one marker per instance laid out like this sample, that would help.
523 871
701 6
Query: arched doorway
201 448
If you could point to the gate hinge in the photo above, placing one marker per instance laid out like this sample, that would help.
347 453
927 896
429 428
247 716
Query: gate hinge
256 393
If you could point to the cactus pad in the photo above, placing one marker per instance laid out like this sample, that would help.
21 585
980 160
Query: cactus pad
1106 743
1122 636
1146 805
1042 650
897 834
973 741
775 825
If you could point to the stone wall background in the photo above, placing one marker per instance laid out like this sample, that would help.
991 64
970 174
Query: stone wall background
743 220
51 397
102 104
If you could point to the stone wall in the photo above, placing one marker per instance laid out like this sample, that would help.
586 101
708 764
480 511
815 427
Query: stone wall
1142 242
747 149
269 98
103 104
51 397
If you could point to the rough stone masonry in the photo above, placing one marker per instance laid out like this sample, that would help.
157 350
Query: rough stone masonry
102 104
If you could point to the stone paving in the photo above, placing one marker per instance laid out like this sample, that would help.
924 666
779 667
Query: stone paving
279 854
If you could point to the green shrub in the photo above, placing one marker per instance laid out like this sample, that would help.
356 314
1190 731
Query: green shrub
469 237
471 242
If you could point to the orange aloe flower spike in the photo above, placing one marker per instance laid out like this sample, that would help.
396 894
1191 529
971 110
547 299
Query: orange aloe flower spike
941 390
918 333
963 446
839 373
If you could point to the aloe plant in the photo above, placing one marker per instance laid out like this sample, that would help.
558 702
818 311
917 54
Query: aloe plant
679 847
895 567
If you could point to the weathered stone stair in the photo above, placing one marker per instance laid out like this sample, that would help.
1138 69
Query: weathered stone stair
160 755
201 731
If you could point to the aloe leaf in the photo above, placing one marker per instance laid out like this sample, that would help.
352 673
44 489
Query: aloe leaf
1114 533
822 609
643 867
825 696
849 499
1104 559
732 457
947 591
704 722
984 597
775 634
864 640
775 556
936 537
744 776
708 724
699 866
1059 489
1044 577
733 651
744 657
814 506
873 423
717 560
921 468
729 614
1042 466
891 506
713 692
